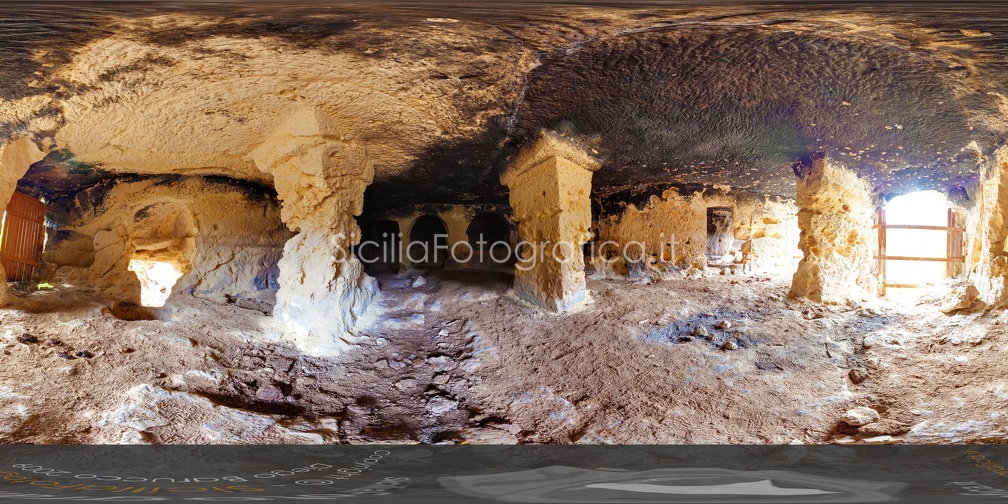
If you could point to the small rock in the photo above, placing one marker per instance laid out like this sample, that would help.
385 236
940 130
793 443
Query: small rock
439 405
685 339
69 371
441 363
65 355
84 354
857 375
724 325
441 378
396 364
879 440
27 339
55 342
419 282
859 416
126 350
700 331
729 345
885 427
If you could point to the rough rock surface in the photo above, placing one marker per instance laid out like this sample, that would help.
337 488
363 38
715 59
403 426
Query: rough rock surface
550 184
835 216
731 95
673 228
320 178
859 416
986 259
226 239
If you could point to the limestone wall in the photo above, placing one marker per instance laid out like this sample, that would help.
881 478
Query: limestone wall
229 239
987 235
672 232
836 218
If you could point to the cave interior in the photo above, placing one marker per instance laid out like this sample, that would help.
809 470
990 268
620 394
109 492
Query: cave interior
335 223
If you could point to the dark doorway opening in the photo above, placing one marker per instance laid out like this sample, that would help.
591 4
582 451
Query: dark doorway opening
379 246
428 245
720 231
490 238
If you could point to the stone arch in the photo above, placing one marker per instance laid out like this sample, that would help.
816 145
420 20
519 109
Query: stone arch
162 242
490 237
428 242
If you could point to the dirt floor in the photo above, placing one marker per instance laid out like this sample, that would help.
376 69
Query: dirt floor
450 356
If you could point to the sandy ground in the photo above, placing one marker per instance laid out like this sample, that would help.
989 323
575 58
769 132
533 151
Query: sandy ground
454 358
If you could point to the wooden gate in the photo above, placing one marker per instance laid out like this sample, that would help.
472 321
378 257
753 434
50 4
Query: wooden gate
21 237
954 255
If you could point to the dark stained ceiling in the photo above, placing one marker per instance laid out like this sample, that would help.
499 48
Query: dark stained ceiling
913 96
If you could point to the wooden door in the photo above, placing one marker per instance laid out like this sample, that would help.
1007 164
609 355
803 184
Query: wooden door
21 237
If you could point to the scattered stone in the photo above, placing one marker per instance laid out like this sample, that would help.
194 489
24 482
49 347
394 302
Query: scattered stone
27 339
405 384
724 325
419 282
880 440
126 350
441 378
55 342
439 405
730 345
84 354
396 364
857 375
685 339
700 331
843 439
969 302
65 355
69 371
885 427
441 363
859 416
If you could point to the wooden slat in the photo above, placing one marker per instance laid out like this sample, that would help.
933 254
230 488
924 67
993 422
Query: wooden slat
23 237
922 227
880 224
910 258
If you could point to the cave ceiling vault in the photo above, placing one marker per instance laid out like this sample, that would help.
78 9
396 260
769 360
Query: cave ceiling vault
727 95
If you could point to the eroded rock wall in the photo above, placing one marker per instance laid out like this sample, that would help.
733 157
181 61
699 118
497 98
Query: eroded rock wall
550 185
669 233
838 242
227 239
320 177
16 156
987 250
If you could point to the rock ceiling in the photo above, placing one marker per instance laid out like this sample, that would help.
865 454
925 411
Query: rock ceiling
910 96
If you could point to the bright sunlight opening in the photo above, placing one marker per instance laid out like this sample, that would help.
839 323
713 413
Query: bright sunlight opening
926 208
156 280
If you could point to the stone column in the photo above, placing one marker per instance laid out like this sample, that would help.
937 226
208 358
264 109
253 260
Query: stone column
110 273
835 216
988 254
550 186
320 178
16 156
